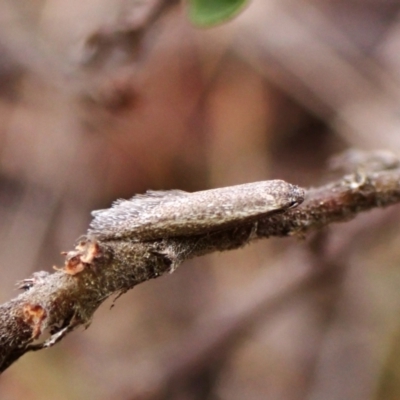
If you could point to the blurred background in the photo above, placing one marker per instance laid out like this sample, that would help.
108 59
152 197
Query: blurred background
103 99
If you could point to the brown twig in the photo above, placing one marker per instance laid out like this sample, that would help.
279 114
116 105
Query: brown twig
96 269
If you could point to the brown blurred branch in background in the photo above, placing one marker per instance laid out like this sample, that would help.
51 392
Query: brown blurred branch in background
58 303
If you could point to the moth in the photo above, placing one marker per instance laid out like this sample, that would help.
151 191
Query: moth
163 214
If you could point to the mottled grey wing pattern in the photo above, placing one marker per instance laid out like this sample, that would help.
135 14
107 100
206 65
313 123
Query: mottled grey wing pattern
162 214
125 217
138 204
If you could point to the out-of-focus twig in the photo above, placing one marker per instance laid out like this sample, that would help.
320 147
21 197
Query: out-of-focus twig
98 267
323 69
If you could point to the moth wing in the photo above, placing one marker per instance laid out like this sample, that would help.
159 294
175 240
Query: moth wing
112 221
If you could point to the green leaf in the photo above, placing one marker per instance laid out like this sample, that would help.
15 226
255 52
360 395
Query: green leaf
207 13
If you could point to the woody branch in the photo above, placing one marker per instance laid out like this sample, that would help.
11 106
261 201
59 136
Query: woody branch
58 303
